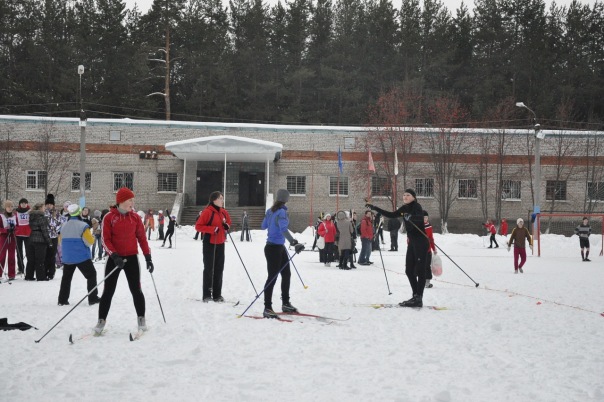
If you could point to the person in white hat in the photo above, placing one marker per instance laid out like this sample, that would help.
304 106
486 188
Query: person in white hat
518 237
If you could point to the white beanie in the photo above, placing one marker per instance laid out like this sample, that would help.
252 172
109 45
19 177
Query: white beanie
519 221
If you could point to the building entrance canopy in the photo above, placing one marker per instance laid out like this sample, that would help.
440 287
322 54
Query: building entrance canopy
238 149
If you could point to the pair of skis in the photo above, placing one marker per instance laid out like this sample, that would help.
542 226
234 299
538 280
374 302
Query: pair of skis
133 336
282 317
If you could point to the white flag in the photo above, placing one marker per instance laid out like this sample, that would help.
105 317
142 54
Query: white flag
395 163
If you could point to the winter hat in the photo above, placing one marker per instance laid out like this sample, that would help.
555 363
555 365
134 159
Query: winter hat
282 195
519 221
327 215
97 213
411 191
74 209
123 194
23 201
160 212
66 204
173 217
341 215
426 213
50 199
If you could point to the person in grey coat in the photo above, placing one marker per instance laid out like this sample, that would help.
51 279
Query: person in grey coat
346 231
39 244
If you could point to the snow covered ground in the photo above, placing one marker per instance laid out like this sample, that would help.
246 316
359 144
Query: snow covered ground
535 336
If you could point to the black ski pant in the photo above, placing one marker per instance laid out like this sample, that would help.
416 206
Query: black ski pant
276 259
245 231
22 252
168 237
394 240
213 268
429 265
161 232
50 259
133 275
415 263
493 240
87 269
36 264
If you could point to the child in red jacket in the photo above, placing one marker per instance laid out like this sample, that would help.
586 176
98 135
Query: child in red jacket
491 228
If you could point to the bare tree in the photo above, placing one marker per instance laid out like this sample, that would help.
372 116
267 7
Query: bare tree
54 157
8 159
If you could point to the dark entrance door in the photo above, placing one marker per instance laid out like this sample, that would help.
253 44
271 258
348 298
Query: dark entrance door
251 189
207 182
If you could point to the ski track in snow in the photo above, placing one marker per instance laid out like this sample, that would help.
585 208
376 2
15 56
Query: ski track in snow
497 343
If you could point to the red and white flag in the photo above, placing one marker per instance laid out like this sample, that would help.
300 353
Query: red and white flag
371 165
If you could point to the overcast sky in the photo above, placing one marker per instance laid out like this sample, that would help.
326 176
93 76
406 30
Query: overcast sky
145 5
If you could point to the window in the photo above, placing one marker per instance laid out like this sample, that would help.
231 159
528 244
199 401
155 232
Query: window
424 187
595 191
467 188
555 190
296 184
115 135
36 180
167 182
380 186
123 179
75 181
333 185
510 190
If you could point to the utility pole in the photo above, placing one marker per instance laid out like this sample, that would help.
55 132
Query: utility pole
82 144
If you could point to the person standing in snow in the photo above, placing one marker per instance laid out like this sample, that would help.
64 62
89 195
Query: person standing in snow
583 231
277 224
76 240
327 230
393 226
366 239
39 244
245 226
346 231
149 223
22 232
431 250
55 221
123 232
84 216
491 228
160 223
170 231
503 229
518 236
417 251
8 242
213 223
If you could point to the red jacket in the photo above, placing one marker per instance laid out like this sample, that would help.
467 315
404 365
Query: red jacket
430 234
504 227
210 219
22 229
121 231
490 227
327 230
366 228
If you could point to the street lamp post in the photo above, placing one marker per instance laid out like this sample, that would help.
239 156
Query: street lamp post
82 144
539 135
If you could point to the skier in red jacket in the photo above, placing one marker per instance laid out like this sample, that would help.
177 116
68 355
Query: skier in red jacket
327 230
123 231
491 228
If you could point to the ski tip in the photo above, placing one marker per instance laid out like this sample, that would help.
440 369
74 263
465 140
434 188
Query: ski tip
131 337
305 286
240 315
236 304
71 338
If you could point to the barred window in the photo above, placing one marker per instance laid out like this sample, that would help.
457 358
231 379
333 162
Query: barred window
595 191
123 179
35 180
75 181
555 190
333 185
424 187
510 190
167 182
467 188
296 184
380 186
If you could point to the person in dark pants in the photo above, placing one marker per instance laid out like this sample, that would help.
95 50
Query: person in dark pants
39 244
170 231
415 261
245 226
393 226
160 223
213 224
22 232
277 259
123 232
55 220
583 231
76 240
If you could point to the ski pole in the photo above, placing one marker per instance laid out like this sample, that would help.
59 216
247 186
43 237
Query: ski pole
267 285
2 266
157 294
296 269
445 254
241 259
83 298
382 258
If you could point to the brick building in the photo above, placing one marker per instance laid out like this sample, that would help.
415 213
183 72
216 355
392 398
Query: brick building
175 165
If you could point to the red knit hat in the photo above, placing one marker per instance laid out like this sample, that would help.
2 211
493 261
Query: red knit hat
123 194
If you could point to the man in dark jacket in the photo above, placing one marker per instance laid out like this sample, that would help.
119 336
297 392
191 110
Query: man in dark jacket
393 226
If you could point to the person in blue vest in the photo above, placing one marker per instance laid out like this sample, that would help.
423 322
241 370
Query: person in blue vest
76 239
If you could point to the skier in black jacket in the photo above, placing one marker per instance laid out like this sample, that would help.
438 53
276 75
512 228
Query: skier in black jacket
418 248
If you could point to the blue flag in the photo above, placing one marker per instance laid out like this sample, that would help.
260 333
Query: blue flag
340 164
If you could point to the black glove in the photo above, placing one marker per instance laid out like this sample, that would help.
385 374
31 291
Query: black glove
407 217
11 229
293 242
369 206
150 266
119 261
225 226
216 229
299 248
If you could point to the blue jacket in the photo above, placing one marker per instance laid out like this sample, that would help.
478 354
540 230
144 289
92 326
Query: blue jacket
277 224
76 239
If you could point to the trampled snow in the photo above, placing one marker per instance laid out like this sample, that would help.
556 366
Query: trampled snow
535 336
